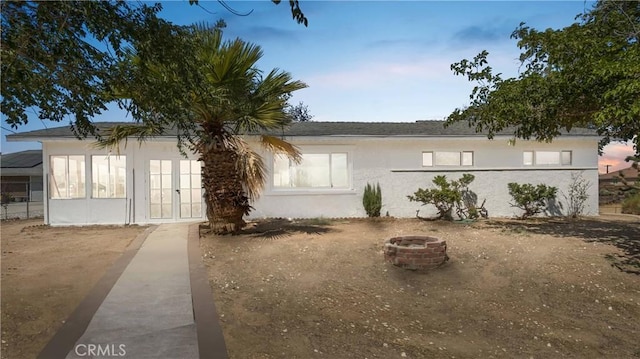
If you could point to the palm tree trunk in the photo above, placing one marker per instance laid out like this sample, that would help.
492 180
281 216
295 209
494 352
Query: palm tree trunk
225 197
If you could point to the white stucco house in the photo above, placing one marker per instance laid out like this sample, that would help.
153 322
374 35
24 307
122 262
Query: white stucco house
152 182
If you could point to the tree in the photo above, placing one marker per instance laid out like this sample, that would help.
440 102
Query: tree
296 12
50 60
63 59
299 112
211 98
584 75
635 164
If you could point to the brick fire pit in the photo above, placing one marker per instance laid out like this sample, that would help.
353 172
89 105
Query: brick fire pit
416 252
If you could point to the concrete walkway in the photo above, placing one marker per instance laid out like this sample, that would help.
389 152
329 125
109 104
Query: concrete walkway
149 311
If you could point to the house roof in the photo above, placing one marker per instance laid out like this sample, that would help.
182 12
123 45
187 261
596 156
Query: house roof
24 159
25 163
312 128
628 173
409 129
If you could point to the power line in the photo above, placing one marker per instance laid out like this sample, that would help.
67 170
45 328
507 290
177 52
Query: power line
6 129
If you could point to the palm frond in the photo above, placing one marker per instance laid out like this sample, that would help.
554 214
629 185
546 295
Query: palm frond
282 147
250 167
265 109
116 134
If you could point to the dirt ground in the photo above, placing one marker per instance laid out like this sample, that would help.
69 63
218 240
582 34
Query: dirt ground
46 272
512 289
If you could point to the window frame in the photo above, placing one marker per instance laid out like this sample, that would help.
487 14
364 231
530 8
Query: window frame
330 188
432 161
109 169
52 182
561 158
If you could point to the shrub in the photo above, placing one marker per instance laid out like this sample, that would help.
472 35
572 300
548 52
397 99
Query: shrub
577 194
5 199
449 195
531 199
372 200
631 205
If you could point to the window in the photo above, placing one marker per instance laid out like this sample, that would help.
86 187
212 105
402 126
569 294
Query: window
527 158
109 176
315 170
444 158
160 187
546 158
67 177
190 189
427 159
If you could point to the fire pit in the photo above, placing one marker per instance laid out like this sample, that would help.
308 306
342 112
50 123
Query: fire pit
416 252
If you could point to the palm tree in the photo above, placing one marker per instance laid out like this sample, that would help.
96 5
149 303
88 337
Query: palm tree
227 99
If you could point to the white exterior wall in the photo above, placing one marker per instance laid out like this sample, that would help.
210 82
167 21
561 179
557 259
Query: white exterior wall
132 209
396 163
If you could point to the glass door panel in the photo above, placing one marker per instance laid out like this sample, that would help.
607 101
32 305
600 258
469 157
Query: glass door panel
160 187
190 189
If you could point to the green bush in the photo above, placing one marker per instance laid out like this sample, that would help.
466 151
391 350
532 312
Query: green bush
631 205
449 195
372 200
531 199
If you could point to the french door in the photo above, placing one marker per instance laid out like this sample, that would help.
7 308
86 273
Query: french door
175 189
190 191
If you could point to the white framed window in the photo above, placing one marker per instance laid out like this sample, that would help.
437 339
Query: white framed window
427 159
67 177
447 158
315 170
566 158
547 158
527 158
109 176
467 158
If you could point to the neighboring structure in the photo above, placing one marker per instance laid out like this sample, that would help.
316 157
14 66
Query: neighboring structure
611 187
21 175
152 182
630 174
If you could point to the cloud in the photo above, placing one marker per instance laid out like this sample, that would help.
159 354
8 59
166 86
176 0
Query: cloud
477 33
380 73
614 155
264 34
400 43
482 33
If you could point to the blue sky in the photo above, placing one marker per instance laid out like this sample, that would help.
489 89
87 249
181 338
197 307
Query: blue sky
373 61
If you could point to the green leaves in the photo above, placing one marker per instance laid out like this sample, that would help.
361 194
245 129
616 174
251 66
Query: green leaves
531 199
296 12
372 200
584 75
67 60
50 61
447 195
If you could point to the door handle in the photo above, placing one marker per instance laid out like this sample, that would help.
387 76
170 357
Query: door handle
178 191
